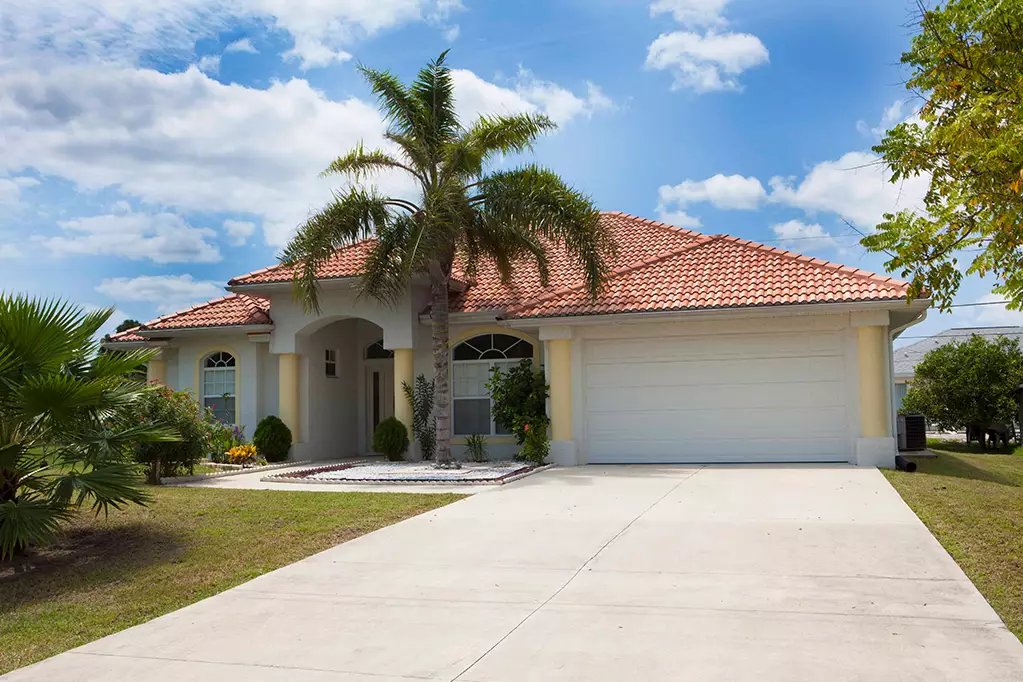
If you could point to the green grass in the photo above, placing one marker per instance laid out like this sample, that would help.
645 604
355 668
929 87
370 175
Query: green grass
106 574
972 501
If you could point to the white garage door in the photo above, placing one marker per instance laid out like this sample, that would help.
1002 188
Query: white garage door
774 397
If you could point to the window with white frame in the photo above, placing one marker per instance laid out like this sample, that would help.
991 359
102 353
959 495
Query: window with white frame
218 385
471 362
330 362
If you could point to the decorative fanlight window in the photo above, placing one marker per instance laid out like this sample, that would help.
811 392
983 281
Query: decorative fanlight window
218 385
471 362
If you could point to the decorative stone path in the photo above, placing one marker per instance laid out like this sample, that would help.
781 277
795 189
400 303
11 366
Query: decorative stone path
494 473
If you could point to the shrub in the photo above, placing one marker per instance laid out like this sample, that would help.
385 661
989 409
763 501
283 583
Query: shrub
518 399
536 446
242 454
180 413
391 439
476 445
424 426
272 439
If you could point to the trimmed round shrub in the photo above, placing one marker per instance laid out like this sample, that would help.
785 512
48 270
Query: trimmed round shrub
272 439
391 439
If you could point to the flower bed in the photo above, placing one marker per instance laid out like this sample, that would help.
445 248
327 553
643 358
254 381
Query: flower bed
487 473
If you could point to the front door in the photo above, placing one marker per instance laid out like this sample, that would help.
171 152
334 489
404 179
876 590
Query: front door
379 396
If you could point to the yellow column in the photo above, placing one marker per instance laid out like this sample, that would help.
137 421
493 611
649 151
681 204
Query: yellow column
873 392
156 370
403 374
287 393
560 363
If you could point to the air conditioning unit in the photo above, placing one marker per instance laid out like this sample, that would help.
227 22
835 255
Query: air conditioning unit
912 432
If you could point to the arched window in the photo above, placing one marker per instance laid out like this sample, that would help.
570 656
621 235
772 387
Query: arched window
376 351
471 361
218 385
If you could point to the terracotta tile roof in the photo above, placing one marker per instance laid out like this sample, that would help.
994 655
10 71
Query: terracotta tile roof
661 267
346 262
233 310
127 336
717 272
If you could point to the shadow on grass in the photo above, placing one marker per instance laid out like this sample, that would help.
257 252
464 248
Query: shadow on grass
954 467
968 448
83 557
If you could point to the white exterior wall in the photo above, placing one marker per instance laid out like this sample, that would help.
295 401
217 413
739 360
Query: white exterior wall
328 405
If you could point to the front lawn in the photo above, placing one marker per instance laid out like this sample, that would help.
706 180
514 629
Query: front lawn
106 574
973 503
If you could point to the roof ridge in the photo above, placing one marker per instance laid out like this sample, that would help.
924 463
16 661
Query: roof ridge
816 262
702 240
126 331
199 306
238 279
656 223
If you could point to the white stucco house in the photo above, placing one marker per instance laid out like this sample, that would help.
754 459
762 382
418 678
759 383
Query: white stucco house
702 349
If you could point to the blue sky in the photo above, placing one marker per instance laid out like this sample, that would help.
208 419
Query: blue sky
152 152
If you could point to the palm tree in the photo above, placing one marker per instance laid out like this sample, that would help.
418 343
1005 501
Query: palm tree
66 420
465 212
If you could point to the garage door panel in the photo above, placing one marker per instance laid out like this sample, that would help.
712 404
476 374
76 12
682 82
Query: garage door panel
755 398
718 450
715 372
723 347
794 394
754 424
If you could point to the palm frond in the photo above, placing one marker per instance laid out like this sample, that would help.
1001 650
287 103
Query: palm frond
401 109
113 485
352 216
434 90
28 522
359 163
491 135
536 201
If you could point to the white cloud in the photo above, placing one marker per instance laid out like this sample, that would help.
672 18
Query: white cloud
897 112
10 188
242 45
451 33
161 238
311 54
995 315
707 62
703 57
475 96
10 251
798 235
169 293
855 187
118 31
677 218
239 230
209 64
692 12
724 191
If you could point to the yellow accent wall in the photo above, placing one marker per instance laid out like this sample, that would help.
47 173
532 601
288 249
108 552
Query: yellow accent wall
156 370
287 390
560 373
404 373
873 385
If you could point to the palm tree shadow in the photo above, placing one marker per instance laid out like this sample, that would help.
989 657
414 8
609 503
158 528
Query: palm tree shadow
82 558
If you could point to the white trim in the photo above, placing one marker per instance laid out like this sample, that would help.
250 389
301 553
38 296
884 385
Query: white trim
191 331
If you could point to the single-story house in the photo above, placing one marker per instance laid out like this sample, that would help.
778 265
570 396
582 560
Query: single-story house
702 349
906 359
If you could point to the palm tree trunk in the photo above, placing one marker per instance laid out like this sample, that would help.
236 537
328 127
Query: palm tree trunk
442 390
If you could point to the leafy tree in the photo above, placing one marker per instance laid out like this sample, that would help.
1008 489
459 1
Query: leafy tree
196 430
966 64
466 212
967 383
67 420
126 325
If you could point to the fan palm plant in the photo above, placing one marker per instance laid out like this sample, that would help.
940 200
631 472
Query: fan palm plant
465 212
66 419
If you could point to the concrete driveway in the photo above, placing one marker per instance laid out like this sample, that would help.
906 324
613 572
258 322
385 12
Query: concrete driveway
599 573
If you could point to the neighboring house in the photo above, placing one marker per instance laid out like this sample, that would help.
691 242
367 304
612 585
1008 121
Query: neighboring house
702 349
907 357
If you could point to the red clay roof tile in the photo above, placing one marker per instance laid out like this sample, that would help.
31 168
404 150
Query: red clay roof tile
233 310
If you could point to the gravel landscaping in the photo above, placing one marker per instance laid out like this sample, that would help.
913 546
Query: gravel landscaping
494 473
